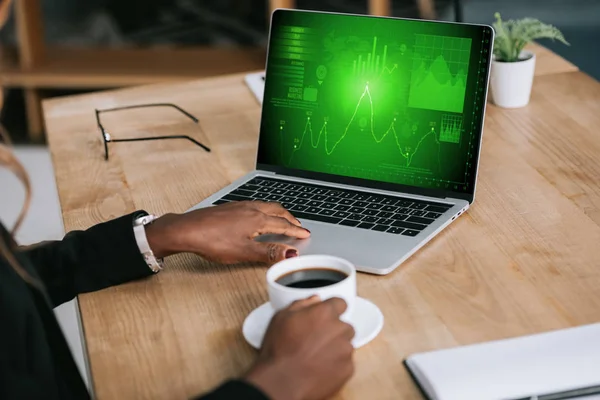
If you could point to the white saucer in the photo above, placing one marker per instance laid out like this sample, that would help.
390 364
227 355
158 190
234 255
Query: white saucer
367 321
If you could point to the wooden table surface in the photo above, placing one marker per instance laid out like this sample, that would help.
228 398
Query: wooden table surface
524 259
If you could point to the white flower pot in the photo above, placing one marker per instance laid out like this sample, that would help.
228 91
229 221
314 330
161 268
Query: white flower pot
511 82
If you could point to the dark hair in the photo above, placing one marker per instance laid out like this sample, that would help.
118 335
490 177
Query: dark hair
9 161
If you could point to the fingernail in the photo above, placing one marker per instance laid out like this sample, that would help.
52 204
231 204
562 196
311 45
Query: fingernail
291 253
306 230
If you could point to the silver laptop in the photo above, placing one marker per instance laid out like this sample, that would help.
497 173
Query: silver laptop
370 132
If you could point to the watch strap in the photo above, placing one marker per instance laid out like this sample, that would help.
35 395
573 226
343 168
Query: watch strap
139 231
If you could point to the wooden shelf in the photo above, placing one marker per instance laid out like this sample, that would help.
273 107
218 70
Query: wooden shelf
102 68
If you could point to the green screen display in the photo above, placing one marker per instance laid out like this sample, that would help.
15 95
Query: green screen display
397 101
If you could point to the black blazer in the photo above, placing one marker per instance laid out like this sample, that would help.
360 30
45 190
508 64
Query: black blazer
35 362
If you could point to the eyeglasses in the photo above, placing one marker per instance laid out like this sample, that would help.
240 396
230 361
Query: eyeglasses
106 138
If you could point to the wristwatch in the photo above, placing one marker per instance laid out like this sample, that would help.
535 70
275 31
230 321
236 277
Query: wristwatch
139 231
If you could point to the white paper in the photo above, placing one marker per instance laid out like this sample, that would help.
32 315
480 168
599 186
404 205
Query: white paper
514 368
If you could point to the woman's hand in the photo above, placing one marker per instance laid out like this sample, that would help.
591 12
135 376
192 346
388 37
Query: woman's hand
226 233
306 353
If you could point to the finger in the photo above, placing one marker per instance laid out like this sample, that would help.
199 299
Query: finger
277 210
300 304
269 253
282 226
348 331
338 306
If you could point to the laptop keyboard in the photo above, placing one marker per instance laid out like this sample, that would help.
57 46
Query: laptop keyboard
394 215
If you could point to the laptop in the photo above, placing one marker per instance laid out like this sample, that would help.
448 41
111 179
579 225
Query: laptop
370 132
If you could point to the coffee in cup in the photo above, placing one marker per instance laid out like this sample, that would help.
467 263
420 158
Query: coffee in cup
312 278
305 276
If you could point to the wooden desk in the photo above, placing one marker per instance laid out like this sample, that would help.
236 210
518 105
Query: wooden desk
523 260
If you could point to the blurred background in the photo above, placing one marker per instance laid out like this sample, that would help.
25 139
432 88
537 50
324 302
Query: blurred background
236 29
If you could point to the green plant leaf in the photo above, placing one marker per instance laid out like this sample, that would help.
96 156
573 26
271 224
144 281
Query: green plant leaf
513 35
502 44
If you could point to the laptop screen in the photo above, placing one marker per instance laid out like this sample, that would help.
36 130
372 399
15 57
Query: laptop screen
379 99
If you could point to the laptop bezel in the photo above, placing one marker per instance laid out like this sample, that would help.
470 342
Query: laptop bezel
372 184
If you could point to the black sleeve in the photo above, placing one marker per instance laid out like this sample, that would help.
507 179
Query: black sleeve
235 390
84 261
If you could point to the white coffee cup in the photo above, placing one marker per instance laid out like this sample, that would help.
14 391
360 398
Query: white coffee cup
282 296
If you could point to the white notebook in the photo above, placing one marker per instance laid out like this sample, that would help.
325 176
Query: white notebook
256 83
543 366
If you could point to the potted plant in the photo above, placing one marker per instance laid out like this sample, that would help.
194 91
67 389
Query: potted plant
512 67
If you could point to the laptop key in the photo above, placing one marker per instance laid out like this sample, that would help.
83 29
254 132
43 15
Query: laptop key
319 197
409 225
274 197
409 232
265 182
404 203
347 195
306 189
419 206
341 214
264 189
313 210
356 217
300 201
375 206
357 210
395 230
293 187
436 209
281 185
248 186
287 206
385 214
279 191
365 225
432 215
346 202
320 191
259 195
418 213
299 207
387 222
419 220
404 210
314 203
342 207
327 212
361 204
400 217
317 217
375 199
370 219
333 199
389 208
292 193
287 199
388 201
233 197
327 205
380 228
349 222
304 195
370 212
361 196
